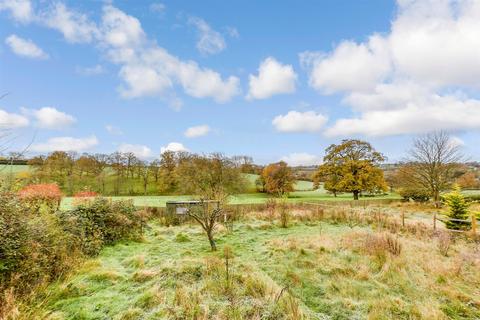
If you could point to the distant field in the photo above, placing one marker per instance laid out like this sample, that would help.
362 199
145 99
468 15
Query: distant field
300 185
6 169
247 198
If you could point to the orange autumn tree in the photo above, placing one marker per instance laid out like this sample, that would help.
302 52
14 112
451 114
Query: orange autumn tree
278 179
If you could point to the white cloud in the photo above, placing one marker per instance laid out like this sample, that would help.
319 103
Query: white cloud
456 141
146 69
66 144
25 47
138 150
174 147
301 159
149 70
413 79
12 120
51 118
197 131
209 41
75 26
295 121
350 66
21 10
437 42
90 71
420 115
273 78
113 130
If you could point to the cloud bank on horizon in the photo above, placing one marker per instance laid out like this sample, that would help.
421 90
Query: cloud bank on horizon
418 76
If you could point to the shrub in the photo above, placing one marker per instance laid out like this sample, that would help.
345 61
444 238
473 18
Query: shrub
33 248
41 197
102 222
416 194
457 209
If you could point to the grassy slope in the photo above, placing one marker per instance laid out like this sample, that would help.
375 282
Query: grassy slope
171 274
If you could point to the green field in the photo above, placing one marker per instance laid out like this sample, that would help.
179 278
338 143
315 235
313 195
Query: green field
248 198
314 270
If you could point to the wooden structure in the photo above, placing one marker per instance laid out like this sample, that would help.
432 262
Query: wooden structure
177 211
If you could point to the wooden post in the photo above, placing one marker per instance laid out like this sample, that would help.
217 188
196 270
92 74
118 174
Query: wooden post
474 224
434 221
403 218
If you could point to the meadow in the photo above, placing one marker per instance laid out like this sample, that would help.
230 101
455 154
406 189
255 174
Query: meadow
322 266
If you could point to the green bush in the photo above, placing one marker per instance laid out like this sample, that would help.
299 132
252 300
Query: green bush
417 195
33 248
101 222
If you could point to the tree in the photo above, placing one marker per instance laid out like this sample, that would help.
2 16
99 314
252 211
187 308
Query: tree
278 178
468 180
457 209
213 177
168 176
352 166
433 161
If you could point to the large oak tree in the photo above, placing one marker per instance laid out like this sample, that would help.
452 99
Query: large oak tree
351 166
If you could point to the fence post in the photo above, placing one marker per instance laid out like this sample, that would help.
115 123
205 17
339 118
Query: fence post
403 218
434 221
474 224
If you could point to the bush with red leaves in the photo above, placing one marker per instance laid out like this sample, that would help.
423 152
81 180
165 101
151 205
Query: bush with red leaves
41 197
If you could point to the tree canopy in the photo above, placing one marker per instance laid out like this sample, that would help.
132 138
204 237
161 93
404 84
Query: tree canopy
278 178
351 166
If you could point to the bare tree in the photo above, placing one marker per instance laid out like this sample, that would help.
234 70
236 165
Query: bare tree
213 177
432 162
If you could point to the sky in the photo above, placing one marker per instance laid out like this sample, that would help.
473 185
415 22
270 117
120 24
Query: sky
275 80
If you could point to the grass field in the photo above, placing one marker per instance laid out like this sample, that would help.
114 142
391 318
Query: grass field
248 198
311 270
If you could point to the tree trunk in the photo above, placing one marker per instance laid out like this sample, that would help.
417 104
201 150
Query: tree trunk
355 195
436 198
213 246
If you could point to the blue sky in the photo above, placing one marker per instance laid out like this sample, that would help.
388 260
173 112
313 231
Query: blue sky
270 79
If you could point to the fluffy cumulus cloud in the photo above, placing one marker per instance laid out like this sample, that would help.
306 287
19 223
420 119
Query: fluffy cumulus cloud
295 121
51 118
414 79
145 68
25 47
66 144
174 147
209 41
197 131
12 120
421 114
273 78
138 150
301 159
20 10
75 26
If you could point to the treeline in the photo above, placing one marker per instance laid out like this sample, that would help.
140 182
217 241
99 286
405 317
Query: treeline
117 173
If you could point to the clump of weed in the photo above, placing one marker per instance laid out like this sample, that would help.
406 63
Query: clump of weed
143 275
136 262
105 276
131 314
182 237
444 242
